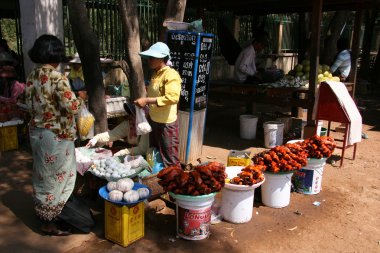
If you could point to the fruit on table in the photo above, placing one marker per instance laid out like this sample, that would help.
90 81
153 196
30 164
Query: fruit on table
303 70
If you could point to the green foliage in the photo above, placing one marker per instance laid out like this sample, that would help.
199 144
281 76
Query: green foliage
8 29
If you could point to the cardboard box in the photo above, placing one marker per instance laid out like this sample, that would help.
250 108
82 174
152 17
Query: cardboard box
124 224
8 138
309 130
239 158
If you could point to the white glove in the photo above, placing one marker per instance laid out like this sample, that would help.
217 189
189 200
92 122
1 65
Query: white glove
122 152
91 142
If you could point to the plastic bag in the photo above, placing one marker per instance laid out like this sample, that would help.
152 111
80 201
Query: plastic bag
133 161
142 125
85 124
154 159
196 26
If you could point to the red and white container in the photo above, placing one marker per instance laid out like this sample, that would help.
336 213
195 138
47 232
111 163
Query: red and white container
193 215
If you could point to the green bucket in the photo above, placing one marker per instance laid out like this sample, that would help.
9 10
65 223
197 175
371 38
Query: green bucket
323 131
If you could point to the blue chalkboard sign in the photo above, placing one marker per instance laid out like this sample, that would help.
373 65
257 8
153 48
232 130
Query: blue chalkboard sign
191 56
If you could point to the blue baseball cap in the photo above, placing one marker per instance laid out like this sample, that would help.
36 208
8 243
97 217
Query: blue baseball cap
157 50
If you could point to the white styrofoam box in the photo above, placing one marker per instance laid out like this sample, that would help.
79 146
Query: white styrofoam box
11 123
115 104
176 25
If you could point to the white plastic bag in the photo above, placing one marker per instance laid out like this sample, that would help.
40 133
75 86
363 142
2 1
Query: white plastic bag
85 123
142 125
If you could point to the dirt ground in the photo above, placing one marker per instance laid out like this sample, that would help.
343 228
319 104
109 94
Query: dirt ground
347 220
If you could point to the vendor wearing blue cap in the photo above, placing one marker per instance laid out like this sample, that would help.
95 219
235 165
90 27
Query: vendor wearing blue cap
162 98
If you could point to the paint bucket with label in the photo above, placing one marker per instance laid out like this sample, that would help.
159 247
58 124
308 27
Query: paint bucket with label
193 215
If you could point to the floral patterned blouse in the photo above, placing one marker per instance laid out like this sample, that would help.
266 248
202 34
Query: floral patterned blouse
52 104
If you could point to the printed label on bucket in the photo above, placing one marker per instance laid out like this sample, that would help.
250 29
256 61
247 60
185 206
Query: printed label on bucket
193 224
307 181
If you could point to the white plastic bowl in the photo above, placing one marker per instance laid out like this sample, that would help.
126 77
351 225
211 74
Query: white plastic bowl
232 172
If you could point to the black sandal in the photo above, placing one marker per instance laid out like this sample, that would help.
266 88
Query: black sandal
57 232
52 229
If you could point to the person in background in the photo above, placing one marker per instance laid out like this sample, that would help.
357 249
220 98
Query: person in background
8 75
162 98
116 81
342 63
125 130
76 74
245 70
52 106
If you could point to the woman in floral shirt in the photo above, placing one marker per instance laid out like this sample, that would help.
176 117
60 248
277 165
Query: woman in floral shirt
52 106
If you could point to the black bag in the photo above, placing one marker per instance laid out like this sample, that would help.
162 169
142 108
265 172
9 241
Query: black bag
77 214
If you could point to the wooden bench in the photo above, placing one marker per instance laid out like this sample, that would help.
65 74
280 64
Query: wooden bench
254 93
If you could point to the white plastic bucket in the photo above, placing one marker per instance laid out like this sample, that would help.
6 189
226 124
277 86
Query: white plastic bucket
308 180
237 200
248 125
193 215
273 133
275 192
319 127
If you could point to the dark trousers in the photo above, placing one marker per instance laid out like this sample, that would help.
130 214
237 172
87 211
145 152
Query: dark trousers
165 138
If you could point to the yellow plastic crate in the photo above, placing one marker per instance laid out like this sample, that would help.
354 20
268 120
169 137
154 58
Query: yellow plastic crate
124 225
8 138
239 158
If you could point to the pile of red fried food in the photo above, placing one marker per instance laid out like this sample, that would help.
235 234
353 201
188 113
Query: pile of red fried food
293 156
250 175
201 180
285 158
319 146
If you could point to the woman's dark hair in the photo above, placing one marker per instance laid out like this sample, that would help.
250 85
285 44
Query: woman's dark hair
166 59
47 49
342 44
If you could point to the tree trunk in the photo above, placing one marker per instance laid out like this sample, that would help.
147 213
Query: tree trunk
175 11
131 33
370 18
336 25
87 45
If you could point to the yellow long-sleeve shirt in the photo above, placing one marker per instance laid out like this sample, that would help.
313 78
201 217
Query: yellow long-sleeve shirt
165 85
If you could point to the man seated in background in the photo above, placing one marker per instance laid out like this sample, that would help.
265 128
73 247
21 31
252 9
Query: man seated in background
245 66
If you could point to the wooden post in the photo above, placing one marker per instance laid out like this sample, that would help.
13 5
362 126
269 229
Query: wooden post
355 48
236 28
280 29
314 54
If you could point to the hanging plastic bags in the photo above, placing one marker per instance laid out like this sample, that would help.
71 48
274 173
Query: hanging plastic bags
85 124
142 125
